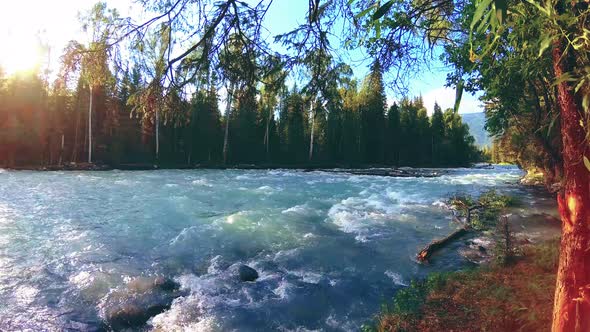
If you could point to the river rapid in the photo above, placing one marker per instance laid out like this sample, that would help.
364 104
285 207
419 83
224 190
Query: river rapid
329 248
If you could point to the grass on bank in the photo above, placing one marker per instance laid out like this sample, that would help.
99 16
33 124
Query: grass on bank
515 297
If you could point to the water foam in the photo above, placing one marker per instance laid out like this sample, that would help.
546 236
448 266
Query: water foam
185 314
359 216
396 278
302 210
26 294
283 289
202 182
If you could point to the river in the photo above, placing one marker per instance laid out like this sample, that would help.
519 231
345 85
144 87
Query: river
329 248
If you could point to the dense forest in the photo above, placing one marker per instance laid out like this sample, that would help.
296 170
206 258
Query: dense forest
48 124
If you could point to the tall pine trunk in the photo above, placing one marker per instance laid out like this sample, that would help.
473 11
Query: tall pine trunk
61 149
90 128
571 311
74 157
157 136
266 135
227 116
312 132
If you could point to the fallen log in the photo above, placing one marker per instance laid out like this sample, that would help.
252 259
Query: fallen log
397 173
436 245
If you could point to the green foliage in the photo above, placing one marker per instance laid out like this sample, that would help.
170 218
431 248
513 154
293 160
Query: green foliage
494 201
205 133
372 105
519 50
393 131
485 214
505 249
246 143
490 206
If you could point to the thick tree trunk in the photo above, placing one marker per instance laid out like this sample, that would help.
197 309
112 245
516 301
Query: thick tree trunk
571 311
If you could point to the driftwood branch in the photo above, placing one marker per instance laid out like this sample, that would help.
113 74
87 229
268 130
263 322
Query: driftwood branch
434 246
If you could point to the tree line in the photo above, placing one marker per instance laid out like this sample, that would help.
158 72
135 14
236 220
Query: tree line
43 126
99 111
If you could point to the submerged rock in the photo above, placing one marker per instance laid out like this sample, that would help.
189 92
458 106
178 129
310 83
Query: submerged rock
247 273
166 284
478 250
141 299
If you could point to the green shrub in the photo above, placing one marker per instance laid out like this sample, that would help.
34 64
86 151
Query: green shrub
505 250
491 206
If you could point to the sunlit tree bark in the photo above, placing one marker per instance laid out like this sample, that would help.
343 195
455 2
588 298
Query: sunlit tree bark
571 310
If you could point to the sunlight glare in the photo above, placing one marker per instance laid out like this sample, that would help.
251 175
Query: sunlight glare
19 56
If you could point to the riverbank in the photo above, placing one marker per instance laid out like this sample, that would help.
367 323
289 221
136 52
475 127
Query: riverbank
517 297
372 170
510 295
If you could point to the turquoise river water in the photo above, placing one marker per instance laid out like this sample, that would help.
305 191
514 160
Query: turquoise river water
329 248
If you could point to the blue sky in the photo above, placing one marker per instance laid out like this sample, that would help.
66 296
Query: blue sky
57 22
285 15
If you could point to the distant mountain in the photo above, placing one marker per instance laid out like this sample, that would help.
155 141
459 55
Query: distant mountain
476 123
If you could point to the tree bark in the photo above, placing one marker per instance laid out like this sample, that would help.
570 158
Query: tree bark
571 311
436 245
312 132
227 116
75 148
157 136
90 128
266 135
61 149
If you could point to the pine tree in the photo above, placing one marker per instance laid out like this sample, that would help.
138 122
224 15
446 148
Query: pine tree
438 134
424 138
295 129
373 116
409 150
350 142
245 145
393 135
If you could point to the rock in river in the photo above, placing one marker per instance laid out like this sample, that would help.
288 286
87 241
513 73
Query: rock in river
247 273
141 299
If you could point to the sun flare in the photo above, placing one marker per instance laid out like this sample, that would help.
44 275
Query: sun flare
21 56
